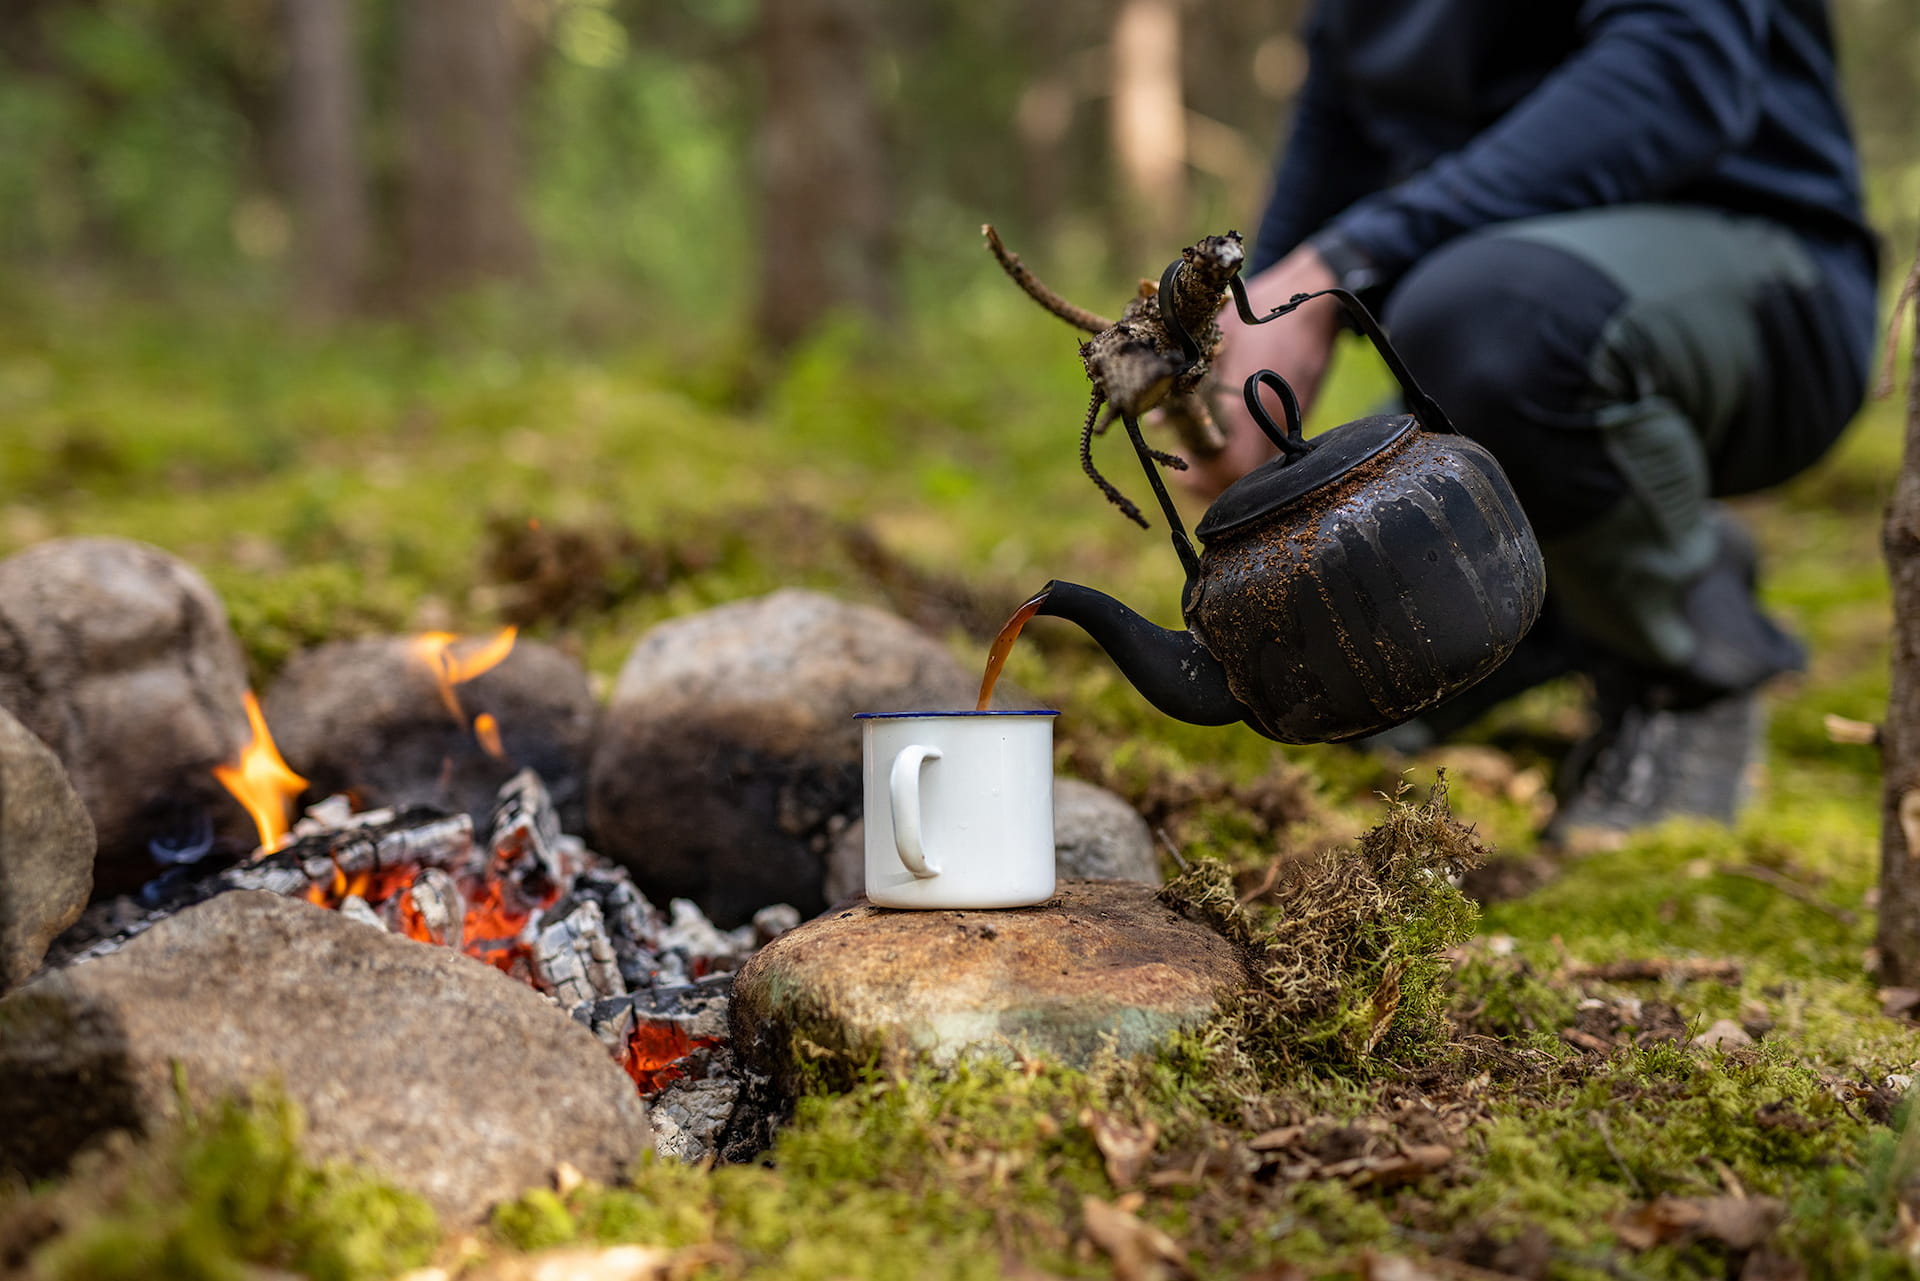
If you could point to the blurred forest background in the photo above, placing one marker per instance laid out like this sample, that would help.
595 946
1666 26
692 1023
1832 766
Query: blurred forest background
699 168
583 314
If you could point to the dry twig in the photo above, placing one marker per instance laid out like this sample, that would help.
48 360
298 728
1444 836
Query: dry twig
1791 888
1030 284
1659 968
1137 363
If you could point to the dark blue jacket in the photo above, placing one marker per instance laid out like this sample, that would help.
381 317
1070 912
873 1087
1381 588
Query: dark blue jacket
1423 119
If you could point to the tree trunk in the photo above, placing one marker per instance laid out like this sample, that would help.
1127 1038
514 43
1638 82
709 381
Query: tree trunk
1899 936
1148 122
826 237
460 82
324 176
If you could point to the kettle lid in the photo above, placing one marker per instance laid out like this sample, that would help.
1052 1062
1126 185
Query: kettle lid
1286 480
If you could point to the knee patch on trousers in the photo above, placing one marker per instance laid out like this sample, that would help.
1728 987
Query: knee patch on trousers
1502 331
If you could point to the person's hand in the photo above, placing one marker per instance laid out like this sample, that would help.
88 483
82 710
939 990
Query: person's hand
1296 347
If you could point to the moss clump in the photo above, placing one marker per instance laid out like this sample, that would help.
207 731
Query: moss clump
1348 947
227 1193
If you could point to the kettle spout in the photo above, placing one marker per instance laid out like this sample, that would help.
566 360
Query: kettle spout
1172 670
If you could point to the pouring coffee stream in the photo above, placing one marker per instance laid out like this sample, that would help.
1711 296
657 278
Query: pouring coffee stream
1352 582
1003 645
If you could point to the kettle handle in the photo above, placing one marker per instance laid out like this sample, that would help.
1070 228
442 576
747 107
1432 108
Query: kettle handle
1425 411
1292 440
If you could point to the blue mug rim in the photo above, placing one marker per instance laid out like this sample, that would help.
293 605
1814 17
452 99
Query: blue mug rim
903 716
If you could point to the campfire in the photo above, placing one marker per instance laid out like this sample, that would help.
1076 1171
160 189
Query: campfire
524 897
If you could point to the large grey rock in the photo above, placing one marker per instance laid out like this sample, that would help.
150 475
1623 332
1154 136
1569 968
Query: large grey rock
46 851
440 1073
1096 836
1105 966
730 751
367 717
119 658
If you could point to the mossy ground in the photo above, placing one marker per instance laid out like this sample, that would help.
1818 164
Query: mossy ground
379 479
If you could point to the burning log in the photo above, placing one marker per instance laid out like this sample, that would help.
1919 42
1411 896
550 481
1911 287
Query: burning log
666 1034
525 841
376 859
376 856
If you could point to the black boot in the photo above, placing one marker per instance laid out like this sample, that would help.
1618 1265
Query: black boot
1683 742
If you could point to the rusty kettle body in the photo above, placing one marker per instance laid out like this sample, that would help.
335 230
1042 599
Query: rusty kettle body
1347 585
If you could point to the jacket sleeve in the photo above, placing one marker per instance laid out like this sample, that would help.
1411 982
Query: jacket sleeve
1327 165
1659 91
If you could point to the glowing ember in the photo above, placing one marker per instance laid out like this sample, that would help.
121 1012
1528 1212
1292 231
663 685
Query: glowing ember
487 730
375 885
495 925
262 782
436 650
656 1054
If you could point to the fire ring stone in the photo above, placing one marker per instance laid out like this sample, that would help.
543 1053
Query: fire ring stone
1103 967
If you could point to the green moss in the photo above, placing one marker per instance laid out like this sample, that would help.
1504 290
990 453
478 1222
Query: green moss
1348 947
280 614
931 1175
227 1192
537 1220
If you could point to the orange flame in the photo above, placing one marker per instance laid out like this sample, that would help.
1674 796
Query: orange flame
261 781
435 649
487 730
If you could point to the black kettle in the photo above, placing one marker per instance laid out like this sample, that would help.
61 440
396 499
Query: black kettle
1348 585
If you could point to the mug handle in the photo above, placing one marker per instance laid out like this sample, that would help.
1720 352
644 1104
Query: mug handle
903 789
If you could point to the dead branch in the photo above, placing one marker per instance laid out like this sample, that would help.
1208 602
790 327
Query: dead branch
1078 317
1791 888
1137 363
1656 969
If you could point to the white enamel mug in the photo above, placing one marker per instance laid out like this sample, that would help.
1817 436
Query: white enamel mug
959 808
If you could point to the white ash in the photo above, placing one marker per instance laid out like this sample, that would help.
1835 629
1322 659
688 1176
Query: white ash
355 908
689 1117
769 923
691 932
573 959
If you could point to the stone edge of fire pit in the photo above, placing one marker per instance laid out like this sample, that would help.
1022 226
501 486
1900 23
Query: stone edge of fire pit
441 1074
46 851
1104 967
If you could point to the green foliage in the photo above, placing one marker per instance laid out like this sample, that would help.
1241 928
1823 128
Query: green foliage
226 1194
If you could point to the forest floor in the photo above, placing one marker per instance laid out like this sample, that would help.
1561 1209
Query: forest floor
1568 1126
